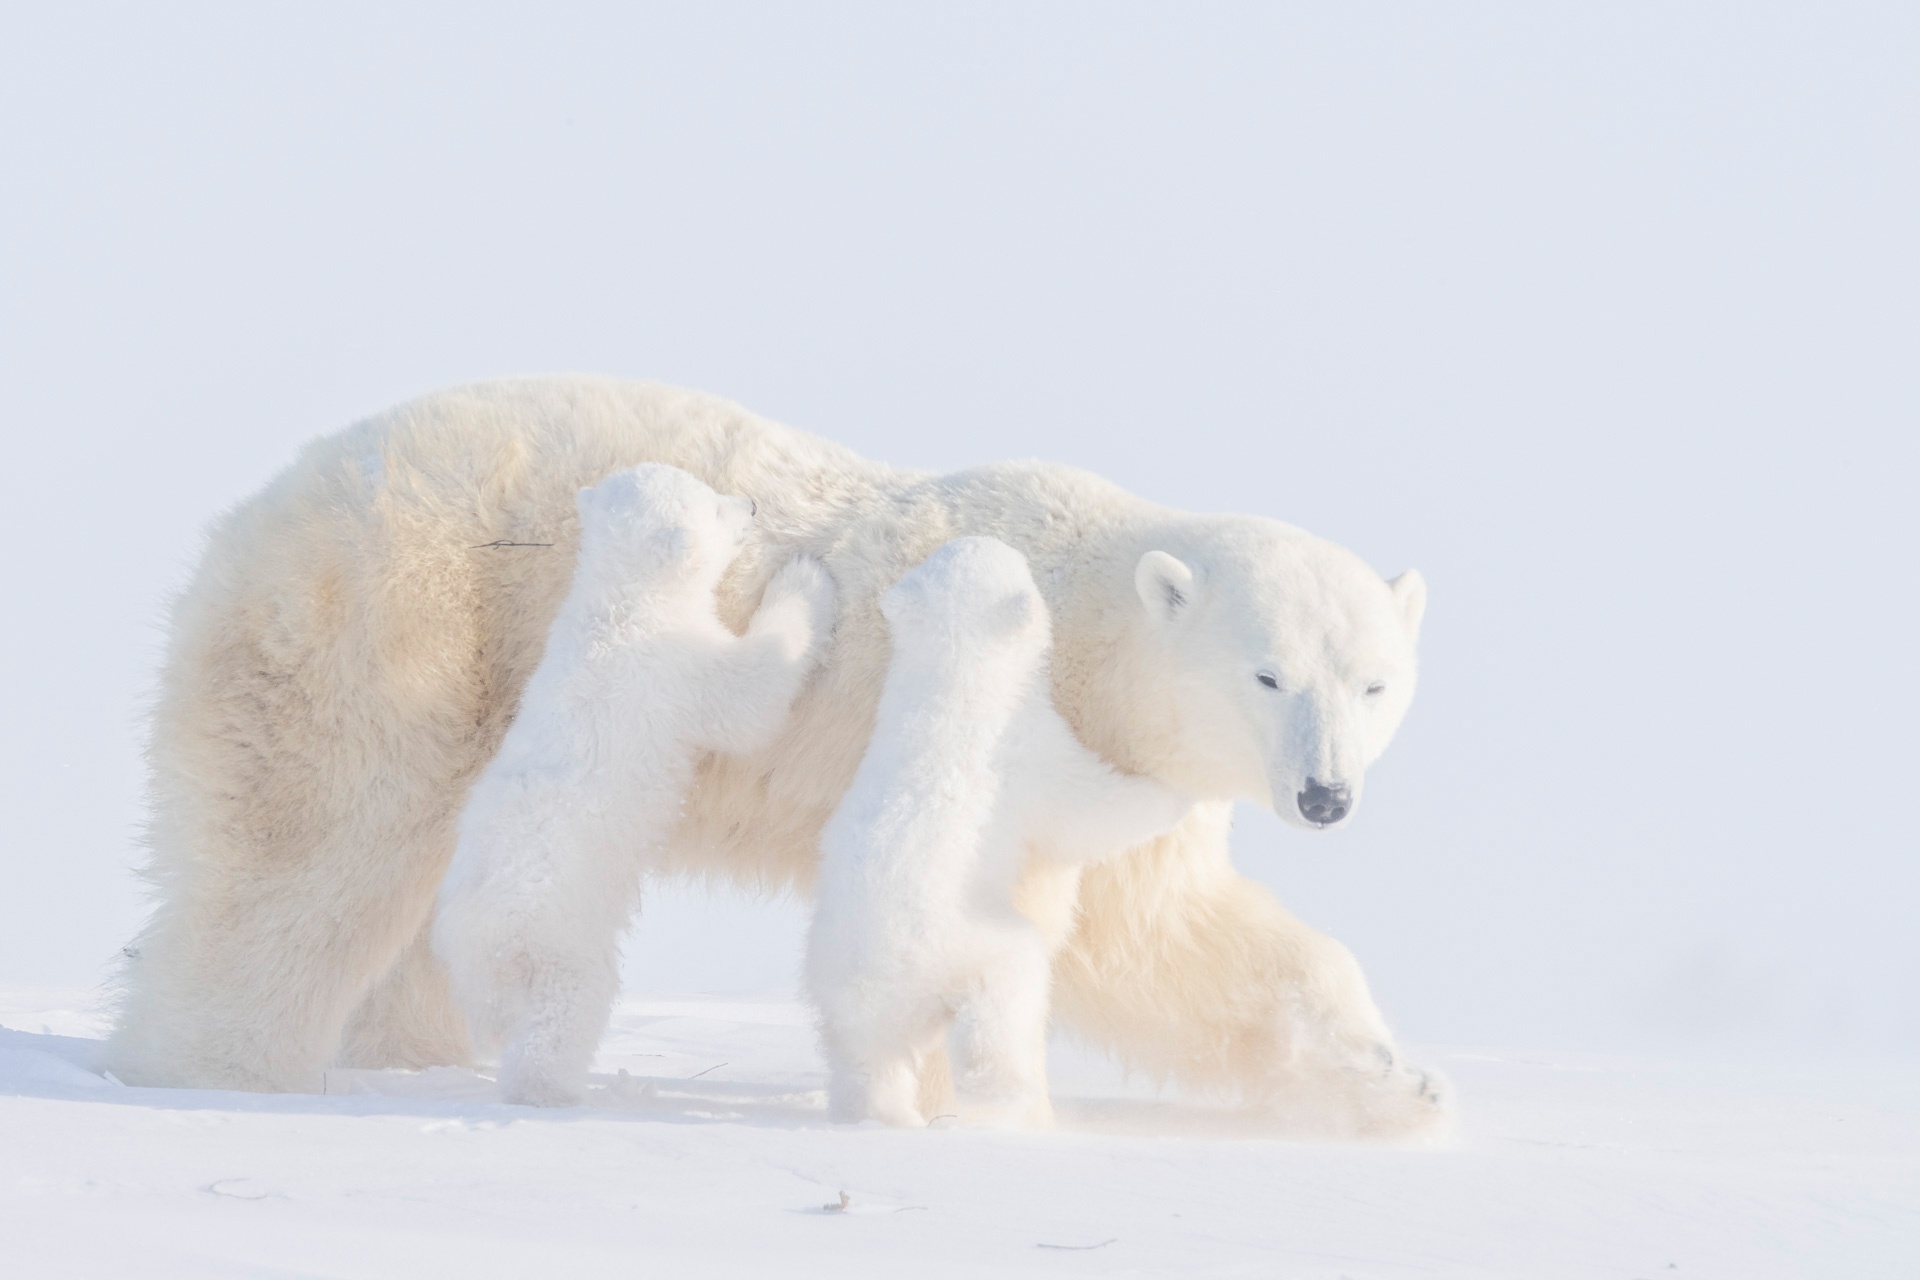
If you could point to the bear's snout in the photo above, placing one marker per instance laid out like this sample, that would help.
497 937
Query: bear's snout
1324 805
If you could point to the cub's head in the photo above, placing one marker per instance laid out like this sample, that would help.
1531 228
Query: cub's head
658 526
972 601
1290 662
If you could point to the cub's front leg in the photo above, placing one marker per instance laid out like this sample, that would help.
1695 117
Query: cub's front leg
752 683
1084 810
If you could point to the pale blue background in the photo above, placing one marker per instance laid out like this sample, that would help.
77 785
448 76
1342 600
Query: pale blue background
1605 317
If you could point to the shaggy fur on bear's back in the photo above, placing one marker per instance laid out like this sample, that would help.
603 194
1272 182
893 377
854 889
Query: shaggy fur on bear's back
638 680
969 768
355 640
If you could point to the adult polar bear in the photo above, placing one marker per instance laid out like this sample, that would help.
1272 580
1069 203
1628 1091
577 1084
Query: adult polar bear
351 649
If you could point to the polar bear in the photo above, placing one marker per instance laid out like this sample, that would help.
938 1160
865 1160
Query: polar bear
969 766
354 642
637 678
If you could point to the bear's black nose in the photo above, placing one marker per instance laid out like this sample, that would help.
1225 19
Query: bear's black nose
1323 805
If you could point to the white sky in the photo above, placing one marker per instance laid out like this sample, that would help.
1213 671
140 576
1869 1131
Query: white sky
1607 318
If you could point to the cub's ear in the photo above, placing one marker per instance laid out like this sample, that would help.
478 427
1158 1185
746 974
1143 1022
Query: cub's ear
898 601
1165 584
1013 612
674 546
1410 593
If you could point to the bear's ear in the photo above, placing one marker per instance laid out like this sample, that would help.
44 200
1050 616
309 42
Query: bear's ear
1410 593
1165 584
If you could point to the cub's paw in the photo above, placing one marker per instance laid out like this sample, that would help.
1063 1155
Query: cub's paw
874 1094
1011 1112
804 587
536 1089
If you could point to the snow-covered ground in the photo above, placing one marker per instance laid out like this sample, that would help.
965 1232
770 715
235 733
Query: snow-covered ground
707 1153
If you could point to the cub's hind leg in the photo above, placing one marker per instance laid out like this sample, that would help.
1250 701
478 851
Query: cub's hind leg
882 1054
1001 1029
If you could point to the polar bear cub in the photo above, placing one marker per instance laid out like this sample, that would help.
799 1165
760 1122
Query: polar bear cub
639 677
969 767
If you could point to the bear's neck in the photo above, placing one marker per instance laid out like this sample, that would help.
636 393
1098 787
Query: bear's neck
1107 682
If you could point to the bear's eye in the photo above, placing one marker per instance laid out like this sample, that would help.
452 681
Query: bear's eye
1377 688
1268 679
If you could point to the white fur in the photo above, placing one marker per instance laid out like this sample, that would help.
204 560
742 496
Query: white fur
968 770
638 677
352 647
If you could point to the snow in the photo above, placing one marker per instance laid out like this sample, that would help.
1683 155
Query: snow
706 1153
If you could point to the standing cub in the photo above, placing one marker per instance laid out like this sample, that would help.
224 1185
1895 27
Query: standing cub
968 770
638 679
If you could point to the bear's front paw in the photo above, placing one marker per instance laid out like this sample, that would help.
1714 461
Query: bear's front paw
1397 1098
1359 1088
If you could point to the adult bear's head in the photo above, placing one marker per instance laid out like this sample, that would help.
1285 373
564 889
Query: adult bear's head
1285 663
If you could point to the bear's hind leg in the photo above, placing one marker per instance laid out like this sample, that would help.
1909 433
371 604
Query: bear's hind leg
247 982
409 1019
